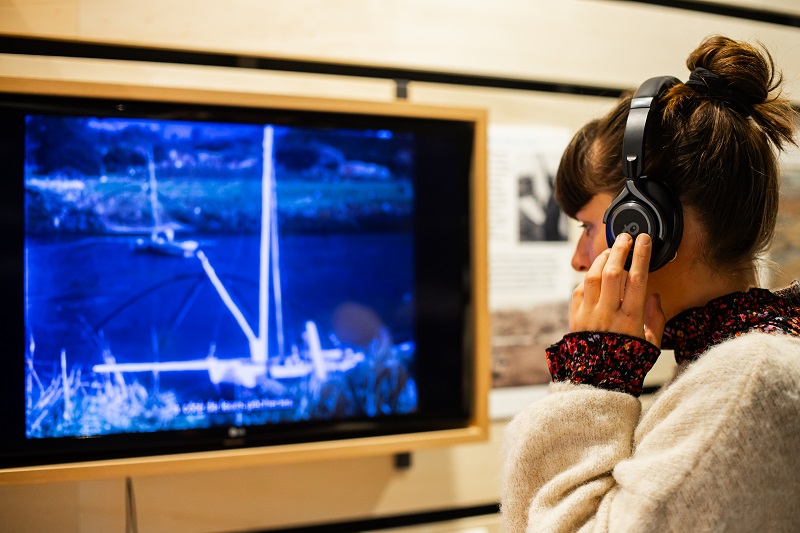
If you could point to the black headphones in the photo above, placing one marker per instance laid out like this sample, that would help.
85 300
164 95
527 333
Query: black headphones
645 205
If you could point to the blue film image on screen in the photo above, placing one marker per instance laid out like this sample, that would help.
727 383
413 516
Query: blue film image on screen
183 275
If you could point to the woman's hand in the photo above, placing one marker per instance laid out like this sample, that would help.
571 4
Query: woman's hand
611 299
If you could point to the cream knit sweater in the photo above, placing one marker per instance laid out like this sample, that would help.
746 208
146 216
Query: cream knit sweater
718 450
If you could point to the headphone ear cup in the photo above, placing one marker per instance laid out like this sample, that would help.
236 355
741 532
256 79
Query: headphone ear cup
664 249
647 207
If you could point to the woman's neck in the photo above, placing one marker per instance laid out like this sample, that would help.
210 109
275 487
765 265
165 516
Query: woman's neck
687 284
690 281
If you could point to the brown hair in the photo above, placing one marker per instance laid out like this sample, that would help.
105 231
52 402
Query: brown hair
719 158
589 167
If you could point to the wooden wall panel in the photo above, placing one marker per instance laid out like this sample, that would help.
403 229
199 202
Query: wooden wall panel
604 43
51 18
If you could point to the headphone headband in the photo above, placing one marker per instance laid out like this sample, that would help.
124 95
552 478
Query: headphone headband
640 122
645 205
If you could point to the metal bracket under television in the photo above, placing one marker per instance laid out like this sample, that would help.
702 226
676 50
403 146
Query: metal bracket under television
198 280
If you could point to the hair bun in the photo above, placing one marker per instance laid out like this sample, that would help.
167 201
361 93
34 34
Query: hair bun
744 78
746 70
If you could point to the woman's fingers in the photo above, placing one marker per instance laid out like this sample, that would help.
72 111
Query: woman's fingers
574 308
593 280
614 274
636 285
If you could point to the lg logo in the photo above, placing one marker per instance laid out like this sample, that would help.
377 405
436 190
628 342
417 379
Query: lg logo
237 433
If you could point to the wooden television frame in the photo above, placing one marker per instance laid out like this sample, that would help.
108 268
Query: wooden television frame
477 427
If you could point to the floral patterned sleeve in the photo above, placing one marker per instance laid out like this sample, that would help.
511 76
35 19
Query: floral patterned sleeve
610 361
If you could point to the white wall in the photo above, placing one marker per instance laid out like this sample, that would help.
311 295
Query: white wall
605 43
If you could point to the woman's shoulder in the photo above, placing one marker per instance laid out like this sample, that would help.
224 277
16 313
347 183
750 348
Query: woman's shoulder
745 386
725 428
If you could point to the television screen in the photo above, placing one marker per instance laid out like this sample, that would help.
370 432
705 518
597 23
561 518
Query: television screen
188 277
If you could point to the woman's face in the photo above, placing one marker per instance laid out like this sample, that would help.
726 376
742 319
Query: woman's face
593 237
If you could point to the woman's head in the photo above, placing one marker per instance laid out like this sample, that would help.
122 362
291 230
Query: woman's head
716 148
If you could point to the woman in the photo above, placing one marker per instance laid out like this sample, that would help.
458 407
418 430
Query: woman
719 448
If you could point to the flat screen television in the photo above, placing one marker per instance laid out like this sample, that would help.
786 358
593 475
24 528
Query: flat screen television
190 272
